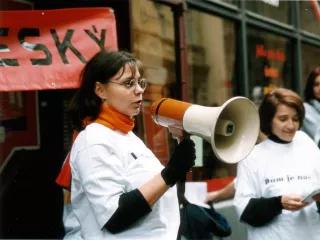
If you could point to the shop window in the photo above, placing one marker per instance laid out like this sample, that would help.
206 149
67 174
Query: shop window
269 62
310 60
310 16
153 43
232 2
211 59
274 9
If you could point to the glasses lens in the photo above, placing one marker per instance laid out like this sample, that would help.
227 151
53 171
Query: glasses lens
142 83
130 83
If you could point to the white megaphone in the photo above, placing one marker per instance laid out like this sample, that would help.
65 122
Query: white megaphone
232 129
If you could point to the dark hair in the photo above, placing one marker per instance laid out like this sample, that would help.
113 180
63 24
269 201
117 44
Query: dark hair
270 103
100 68
308 90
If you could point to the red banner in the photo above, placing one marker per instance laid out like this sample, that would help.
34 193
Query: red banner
46 49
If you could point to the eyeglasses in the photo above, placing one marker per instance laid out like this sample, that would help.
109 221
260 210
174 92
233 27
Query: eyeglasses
133 82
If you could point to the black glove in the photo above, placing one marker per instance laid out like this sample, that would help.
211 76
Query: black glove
180 162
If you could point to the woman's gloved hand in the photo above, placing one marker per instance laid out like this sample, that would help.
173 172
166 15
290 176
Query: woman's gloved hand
180 162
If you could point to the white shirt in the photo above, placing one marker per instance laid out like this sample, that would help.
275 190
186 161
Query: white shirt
106 164
274 169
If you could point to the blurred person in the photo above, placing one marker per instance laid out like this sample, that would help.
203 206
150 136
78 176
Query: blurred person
280 171
119 189
311 123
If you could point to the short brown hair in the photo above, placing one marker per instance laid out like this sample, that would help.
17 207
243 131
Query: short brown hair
270 103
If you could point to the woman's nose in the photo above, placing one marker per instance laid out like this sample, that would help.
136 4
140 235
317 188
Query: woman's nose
138 89
291 124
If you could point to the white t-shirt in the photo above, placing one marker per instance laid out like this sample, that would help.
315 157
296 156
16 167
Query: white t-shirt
274 169
106 164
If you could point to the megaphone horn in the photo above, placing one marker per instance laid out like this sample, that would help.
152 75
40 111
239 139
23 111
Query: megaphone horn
232 129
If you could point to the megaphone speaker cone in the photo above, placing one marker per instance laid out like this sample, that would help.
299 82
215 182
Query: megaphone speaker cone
244 115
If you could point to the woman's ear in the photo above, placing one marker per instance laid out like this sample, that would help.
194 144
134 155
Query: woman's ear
100 91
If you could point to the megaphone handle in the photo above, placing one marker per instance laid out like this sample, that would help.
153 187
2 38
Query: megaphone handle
181 191
178 133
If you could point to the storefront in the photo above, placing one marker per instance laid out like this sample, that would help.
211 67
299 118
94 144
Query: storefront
201 51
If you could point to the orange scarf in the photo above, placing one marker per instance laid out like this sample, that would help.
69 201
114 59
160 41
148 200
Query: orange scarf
108 117
115 120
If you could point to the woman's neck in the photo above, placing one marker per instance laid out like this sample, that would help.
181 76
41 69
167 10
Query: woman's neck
276 139
112 118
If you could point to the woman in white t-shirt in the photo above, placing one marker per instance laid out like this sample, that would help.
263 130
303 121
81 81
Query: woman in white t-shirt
119 189
280 171
312 106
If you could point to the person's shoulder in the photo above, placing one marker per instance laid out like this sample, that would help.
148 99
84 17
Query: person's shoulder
307 106
303 140
261 147
255 155
301 136
96 133
312 107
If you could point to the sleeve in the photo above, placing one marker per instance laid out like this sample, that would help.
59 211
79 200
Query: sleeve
101 174
132 207
250 206
261 211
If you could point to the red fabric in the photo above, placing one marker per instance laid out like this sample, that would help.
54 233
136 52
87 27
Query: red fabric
64 177
218 183
108 117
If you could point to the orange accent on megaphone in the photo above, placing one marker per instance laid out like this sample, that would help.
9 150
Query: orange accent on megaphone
169 112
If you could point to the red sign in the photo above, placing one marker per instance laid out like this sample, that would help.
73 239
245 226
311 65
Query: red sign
270 54
46 49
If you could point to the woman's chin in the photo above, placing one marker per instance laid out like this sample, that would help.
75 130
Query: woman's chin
288 138
135 112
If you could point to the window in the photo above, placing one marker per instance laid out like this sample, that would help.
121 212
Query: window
211 53
232 2
310 16
153 43
211 59
274 9
310 60
269 62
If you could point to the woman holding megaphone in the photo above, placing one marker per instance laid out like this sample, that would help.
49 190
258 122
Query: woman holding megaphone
274 180
119 189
